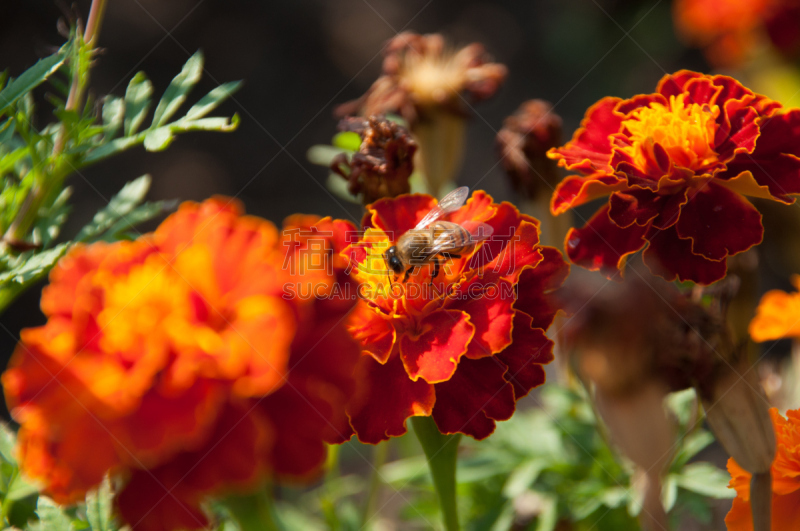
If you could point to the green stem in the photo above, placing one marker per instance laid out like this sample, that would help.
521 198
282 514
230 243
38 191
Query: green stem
379 454
253 512
29 209
442 454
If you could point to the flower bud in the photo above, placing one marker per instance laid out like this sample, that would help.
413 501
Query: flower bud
738 413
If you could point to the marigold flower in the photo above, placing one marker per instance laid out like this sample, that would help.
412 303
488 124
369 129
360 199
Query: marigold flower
778 315
177 362
729 31
384 161
677 165
462 347
785 480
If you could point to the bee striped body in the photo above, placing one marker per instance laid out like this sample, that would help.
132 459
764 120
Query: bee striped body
434 240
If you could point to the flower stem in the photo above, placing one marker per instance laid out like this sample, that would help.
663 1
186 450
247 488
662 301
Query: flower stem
379 454
442 453
253 512
40 190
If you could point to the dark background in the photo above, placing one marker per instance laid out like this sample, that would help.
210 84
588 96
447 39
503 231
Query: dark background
300 58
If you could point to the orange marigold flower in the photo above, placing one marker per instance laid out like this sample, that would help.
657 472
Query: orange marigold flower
728 31
677 165
778 315
785 480
464 346
177 362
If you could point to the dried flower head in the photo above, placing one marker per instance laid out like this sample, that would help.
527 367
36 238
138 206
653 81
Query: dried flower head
420 75
384 162
677 165
176 363
523 143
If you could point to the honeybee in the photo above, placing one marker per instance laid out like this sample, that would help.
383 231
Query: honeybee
433 240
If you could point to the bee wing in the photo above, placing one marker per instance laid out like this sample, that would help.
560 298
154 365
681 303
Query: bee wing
449 203
480 232
477 233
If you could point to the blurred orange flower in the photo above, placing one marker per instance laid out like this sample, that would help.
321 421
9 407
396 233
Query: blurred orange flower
464 346
785 480
729 31
177 362
778 315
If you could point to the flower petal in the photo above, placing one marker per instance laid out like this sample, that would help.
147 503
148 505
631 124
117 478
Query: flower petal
673 84
529 350
433 354
474 398
538 285
373 331
603 246
385 398
719 222
776 159
396 216
489 312
670 257
575 190
590 147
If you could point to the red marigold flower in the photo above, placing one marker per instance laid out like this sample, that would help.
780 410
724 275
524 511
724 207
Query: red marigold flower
464 346
785 480
178 362
677 165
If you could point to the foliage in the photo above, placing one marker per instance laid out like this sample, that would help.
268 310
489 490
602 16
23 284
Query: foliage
35 162
542 467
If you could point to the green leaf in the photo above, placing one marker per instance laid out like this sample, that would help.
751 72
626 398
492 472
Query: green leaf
178 89
692 445
347 140
522 477
705 479
323 155
120 205
99 507
20 488
30 79
48 226
8 440
34 267
137 101
158 139
113 115
140 214
212 100
669 492
51 516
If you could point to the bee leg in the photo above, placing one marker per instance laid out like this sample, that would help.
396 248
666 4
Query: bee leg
410 270
436 266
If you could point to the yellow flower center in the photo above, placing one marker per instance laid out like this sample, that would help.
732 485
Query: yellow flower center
686 132
433 79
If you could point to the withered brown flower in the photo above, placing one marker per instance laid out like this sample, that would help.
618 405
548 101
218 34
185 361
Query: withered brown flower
421 75
384 162
523 143
432 87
